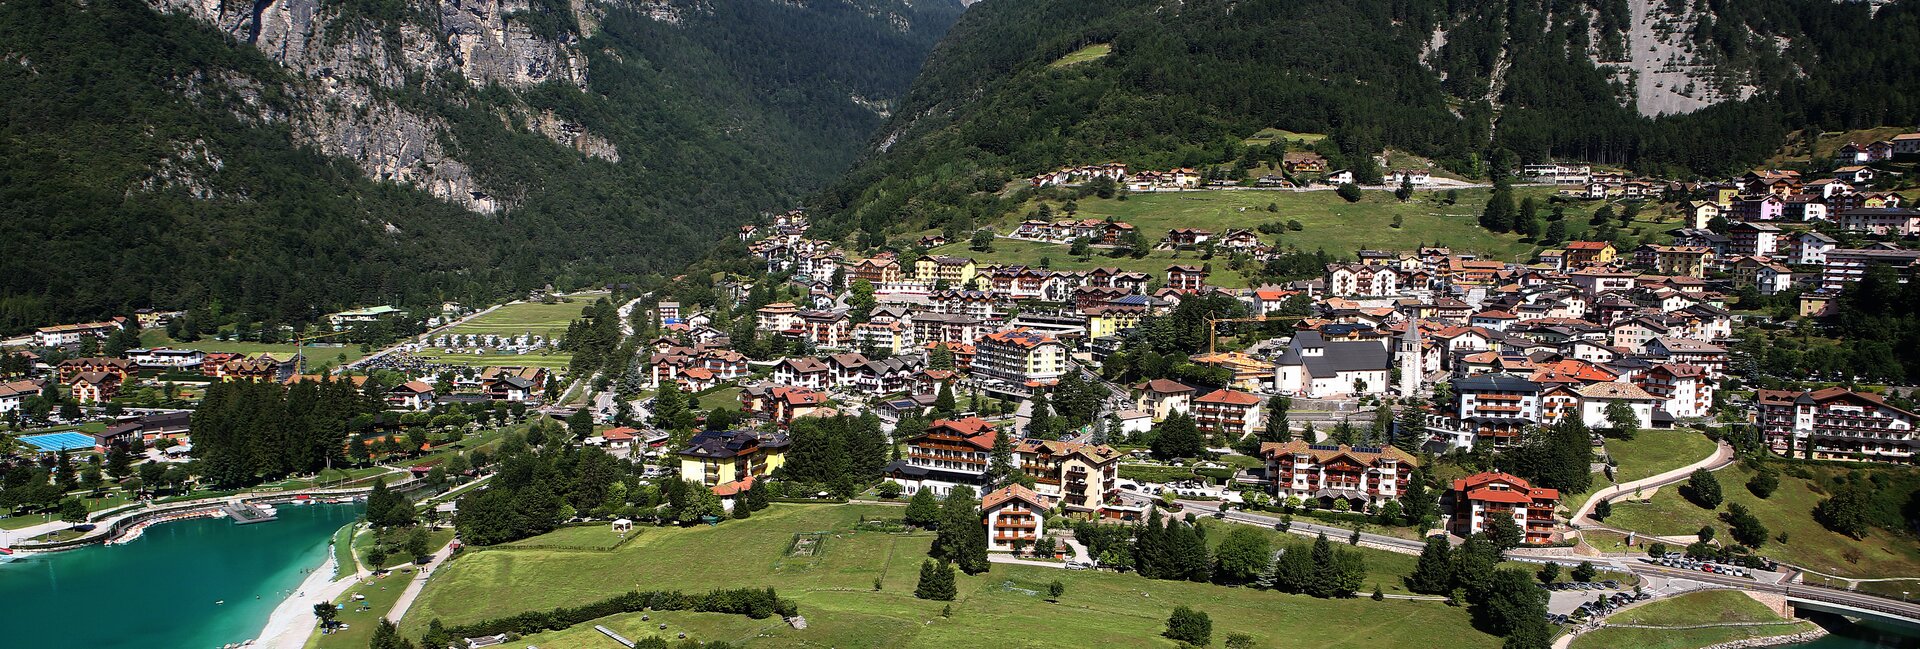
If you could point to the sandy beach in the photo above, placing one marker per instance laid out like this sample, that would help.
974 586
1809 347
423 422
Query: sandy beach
292 621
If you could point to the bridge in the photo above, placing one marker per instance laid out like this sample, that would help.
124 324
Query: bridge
1810 597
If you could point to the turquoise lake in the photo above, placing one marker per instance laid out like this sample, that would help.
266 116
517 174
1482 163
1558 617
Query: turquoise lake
160 590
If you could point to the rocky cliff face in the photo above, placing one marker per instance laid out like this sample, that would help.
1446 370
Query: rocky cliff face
346 68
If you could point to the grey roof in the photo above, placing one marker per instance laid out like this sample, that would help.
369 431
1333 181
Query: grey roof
1494 383
1344 356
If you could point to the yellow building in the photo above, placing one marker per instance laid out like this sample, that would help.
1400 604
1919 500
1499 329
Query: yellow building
957 272
1103 322
1688 261
719 457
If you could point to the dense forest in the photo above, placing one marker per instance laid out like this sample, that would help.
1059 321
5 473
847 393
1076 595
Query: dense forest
137 170
1185 84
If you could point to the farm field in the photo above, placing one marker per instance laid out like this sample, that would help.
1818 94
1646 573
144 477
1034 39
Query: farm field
550 361
1789 509
1056 257
1089 53
1747 619
836 593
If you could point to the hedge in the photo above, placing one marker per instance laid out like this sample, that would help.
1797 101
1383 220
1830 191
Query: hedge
754 603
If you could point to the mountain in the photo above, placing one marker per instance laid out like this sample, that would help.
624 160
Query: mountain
1676 87
275 159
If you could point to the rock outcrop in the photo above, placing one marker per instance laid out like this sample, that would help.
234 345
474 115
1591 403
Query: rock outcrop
346 67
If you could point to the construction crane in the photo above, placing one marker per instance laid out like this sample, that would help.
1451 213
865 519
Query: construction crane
300 348
1213 331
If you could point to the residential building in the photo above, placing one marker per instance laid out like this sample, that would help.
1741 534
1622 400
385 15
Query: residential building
1582 253
950 453
1848 265
1230 413
1883 221
1479 498
14 393
1811 247
1019 356
1597 397
1754 239
1329 474
70 334
412 395
1185 278
1083 478
94 387
1015 518
1161 398
1492 409
1835 424
1362 280
718 458
1684 390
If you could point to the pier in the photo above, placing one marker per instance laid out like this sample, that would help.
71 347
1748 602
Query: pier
243 513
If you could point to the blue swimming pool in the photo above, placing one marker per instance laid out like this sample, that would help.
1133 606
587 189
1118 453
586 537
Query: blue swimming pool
56 442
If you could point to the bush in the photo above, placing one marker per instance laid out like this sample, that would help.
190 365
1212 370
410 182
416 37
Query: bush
1349 191
1763 483
891 490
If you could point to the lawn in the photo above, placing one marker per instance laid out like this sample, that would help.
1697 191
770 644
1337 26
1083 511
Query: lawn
381 593
1884 554
1693 609
598 536
319 353
1093 52
722 398
835 591
344 562
1268 136
1653 452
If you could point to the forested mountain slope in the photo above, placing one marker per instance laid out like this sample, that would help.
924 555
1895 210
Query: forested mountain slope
1185 82
282 158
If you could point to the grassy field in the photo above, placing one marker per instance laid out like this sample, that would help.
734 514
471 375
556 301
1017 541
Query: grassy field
1327 222
584 537
381 593
1653 452
1693 609
835 591
317 354
1055 257
344 561
1093 52
1883 553
1268 136
727 398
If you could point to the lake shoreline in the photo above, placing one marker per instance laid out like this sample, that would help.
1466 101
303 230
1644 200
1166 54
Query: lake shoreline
292 622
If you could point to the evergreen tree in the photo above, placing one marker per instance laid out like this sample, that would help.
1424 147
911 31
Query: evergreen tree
1278 429
1433 573
1410 428
963 533
1189 552
1293 572
937 581
1504 533
1001 468
1243 557
1556 233
1151 554
944 404
923 510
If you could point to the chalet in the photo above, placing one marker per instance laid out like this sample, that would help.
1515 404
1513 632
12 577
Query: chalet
1684 390
727 461
1332 475
1083 478
1581 253
15 393
1161 398
1361 280
94 387
803 372
1228 413
1186 279
1478 498
1303 162
71 368
780 404
1187 238
949 453
1836 424
412 395
1015 517
1596 398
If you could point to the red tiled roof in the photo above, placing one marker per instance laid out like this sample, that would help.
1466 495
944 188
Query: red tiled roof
1230 397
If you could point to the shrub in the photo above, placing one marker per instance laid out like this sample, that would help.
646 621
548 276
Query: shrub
1189 626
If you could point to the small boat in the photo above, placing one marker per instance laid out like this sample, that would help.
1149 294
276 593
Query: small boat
218 602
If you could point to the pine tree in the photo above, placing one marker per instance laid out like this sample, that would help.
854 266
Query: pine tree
1410 428
1149 548
1278 429
923 510
937 582
1001 468
944 404
1433 574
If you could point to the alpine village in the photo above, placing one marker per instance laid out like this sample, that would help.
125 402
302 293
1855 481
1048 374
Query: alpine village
431 324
